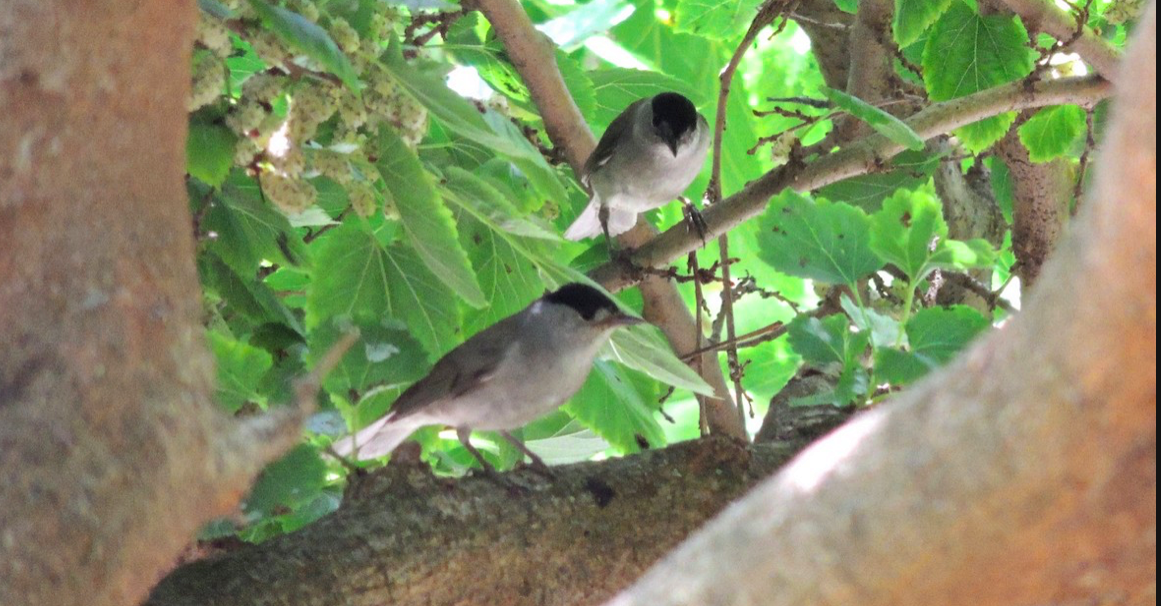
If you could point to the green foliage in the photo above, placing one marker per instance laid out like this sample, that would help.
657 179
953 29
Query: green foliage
819 240
910 233
913 17
966 53
885 124
1052 132
346 175
935 336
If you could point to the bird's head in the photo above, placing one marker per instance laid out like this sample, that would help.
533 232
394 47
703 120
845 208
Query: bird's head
674 119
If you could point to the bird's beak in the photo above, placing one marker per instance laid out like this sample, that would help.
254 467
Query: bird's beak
672 143
619 320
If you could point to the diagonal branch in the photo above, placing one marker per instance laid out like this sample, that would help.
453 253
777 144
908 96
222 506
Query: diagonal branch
1044 15
863 157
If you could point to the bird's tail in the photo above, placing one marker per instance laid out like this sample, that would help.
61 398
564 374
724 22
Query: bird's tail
588 224
375 440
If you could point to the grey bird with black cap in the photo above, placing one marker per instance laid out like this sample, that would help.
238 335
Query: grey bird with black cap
503 377
649 154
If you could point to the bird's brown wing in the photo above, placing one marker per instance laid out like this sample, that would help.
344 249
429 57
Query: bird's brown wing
461 371
619 128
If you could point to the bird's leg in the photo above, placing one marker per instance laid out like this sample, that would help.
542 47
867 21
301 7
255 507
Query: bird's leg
537 463
465 436
694 218
603 217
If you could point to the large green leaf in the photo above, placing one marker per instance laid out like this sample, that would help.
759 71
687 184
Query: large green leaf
914 17
426 221
936 335
247 230
308 37
723 20
618 87
885 124
457 113
646 350
246 295
830 343
360 277
609 405
910 233
1052 132
240 370
966 53
820 240
385 354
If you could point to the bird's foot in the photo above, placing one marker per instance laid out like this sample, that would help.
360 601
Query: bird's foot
694 219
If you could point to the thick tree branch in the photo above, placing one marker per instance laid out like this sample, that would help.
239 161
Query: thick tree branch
872 75
1040 206
406 538
862 157
1044 15
1023 474
534 57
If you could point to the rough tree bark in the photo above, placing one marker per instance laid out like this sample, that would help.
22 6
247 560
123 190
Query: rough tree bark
407 539
111 448
1023 474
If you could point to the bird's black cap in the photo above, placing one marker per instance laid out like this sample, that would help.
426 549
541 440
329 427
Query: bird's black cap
676 110
585 299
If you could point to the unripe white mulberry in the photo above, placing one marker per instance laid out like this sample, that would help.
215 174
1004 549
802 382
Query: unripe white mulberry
344 35
269 47
362 198
209 80
212 34
291 195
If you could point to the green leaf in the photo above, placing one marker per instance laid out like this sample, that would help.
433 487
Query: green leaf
828 342
910 233
819 240
967 53
979 136
288 482
209 152
908 170
240 370
847 6
360 277
643 348
385 354
482 198
306 36
882 328
898 367
426 221
885 124
936 335
609 405
821 342
914 17
1052 132
455 112
247 296
617 87
722 20
246 230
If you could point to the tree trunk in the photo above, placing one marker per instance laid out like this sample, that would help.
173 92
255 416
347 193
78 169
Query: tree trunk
1023 474
106 418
